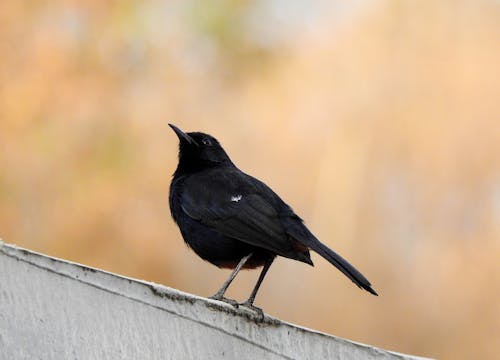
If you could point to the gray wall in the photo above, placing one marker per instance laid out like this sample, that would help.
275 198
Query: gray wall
54 309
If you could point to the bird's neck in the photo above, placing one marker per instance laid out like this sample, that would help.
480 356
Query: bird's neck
192 167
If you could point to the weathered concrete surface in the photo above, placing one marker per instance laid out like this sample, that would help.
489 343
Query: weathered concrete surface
54 309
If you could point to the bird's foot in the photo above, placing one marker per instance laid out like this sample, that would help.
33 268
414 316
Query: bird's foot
220 297
249 305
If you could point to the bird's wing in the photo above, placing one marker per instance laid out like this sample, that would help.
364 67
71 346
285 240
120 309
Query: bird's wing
245 216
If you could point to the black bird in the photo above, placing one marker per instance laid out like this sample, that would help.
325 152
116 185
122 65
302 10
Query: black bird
235 221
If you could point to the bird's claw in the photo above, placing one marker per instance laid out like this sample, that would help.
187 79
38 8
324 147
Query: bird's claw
247 304
251 306
226 300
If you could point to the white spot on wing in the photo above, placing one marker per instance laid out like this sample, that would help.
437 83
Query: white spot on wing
236 198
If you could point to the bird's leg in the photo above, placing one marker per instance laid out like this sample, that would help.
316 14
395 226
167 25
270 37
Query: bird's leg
249 302
219 295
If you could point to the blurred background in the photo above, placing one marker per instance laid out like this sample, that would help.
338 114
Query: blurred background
377 121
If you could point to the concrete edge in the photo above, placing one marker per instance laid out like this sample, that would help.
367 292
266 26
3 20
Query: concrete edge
152 294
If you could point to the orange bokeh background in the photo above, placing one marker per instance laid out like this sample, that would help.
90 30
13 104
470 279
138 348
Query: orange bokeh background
377 121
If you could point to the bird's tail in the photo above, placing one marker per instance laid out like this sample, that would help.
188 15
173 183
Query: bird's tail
304 236
340 263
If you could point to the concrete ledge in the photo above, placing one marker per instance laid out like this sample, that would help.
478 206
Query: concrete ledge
55 309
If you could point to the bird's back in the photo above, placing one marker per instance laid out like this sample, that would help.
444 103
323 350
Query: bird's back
239 206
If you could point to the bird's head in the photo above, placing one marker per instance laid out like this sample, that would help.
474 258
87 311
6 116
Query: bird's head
199 151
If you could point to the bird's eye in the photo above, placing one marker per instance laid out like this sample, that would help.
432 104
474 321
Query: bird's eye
206 141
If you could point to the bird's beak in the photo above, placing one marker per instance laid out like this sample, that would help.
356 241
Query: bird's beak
183 137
